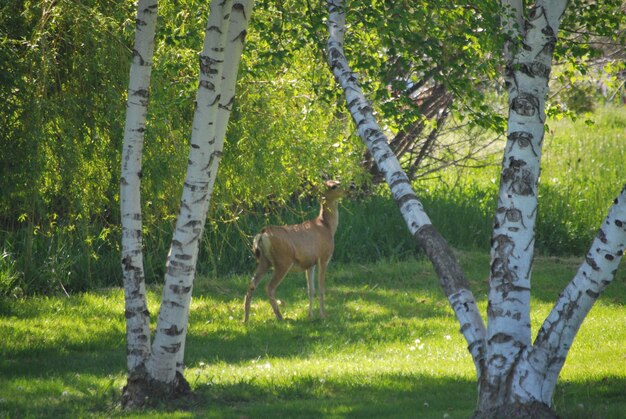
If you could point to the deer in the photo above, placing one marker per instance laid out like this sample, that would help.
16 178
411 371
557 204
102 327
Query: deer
297 248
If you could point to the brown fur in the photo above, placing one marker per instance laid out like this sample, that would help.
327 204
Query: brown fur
298 247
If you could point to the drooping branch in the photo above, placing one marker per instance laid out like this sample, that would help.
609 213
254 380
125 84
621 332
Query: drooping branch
450 274
136 308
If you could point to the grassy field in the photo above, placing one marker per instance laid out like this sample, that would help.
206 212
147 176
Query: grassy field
390 347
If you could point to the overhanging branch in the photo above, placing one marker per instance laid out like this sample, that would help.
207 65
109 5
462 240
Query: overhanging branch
447 267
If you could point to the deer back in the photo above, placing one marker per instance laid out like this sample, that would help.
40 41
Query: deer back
300 245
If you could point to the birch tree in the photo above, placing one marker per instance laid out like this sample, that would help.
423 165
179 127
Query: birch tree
136 310
516 376
157 369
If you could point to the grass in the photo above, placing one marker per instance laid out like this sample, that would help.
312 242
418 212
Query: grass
390 347
583 169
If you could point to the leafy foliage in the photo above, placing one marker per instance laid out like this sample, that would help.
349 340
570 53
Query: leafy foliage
64 70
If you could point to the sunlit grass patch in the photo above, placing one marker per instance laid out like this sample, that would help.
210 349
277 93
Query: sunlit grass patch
390 347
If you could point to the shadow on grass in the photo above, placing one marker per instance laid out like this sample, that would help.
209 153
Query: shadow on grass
73 362
357 313
86 392
365 304
397 396
380 396
366 307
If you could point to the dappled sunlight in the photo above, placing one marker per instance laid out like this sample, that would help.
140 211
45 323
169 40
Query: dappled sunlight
61 394
366 309
390 341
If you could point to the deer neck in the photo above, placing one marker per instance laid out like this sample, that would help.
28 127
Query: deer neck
329 214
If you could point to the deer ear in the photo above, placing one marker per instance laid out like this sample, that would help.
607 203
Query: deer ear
325 176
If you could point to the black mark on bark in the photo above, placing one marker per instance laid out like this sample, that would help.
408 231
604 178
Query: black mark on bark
173 331
525 104
172 349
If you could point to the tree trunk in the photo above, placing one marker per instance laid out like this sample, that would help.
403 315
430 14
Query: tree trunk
234 43
515 378
181 262
529 59
160 373
558 331
136 309
528 385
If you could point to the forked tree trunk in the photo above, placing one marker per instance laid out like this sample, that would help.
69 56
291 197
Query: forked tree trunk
516 378
219 61
158 373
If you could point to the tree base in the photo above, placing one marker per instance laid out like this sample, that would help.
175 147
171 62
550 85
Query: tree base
534 410
141 390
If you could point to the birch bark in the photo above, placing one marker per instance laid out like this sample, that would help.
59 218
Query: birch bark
136 310
515 377
529 58
234 43
157 369
170 334
557 333
452 279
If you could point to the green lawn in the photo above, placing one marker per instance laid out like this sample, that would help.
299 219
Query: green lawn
390 347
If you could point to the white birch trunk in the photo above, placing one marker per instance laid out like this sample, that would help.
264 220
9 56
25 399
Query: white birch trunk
529 58
547 356
234 43
452 279
136 311
237 30
181 263
222 51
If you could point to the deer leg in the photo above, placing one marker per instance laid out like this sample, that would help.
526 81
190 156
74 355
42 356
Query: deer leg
270 288
262 267
321 279
310 285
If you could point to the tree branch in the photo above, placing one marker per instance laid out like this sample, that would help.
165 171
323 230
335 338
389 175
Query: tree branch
450 274
597 271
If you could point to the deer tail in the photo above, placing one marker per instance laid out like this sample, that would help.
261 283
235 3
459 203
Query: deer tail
261 245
